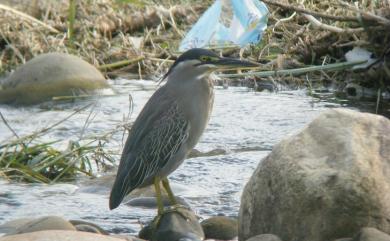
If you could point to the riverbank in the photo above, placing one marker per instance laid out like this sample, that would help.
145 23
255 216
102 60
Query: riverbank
139 39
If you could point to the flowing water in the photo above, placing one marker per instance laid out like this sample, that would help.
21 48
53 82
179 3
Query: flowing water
244 125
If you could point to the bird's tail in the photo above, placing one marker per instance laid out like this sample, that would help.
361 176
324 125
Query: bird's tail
122 186
127 179
116 195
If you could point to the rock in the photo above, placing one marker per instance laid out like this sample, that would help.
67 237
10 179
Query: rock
221 227
151 202
264 237
343 239
215 152
357 92
371 234
146 232
324 183
84 226
126 238
13 225
60 235
44 223
179 224
50 75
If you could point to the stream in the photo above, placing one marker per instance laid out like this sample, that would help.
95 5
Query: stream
244 127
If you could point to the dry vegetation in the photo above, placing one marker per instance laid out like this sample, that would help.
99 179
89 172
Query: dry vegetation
104 31
141 37
319 32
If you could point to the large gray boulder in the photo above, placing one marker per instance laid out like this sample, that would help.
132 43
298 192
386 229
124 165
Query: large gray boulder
50 75
324 183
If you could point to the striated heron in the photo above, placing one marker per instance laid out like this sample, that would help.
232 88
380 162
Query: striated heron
170 124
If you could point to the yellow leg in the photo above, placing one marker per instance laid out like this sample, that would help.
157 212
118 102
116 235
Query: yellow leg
167 187
160 205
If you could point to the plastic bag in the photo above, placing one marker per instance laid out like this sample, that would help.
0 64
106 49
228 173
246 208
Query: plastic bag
227 23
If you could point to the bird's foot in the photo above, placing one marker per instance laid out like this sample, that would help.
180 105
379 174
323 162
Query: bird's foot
178 208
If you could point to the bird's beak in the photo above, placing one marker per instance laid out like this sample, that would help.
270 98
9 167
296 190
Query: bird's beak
232 64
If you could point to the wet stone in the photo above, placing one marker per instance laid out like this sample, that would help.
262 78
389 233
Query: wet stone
174 224
221 227
84 226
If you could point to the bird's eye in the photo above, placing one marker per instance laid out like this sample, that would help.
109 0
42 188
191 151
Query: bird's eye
205 58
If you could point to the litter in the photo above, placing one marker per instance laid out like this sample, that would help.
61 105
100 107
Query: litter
228 23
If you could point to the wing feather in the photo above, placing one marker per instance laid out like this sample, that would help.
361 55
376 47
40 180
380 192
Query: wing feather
155 138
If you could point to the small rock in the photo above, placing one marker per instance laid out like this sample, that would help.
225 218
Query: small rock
87 228
265 237
60 235
13 225
178 224
44 223
196 153
343 239
221 227
146 232
84 226
126 238
50 75
371 234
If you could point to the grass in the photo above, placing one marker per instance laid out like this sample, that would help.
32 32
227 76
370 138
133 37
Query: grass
31 160
43 163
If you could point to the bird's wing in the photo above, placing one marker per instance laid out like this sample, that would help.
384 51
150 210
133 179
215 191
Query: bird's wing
156 136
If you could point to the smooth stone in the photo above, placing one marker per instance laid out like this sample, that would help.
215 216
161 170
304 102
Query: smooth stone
221 227
196 153
50 75
178 224
324 183
151 202
84 226
13 225
44 223
61 235
265 237
126 238
371 234
87 228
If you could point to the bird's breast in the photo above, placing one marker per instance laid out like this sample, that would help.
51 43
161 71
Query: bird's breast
200 102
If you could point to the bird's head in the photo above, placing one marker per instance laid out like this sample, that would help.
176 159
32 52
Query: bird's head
200 62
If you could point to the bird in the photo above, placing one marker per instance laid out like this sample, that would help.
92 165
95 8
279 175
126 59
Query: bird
170 124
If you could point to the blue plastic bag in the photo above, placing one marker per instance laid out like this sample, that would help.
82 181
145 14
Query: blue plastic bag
226 23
